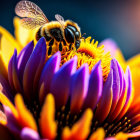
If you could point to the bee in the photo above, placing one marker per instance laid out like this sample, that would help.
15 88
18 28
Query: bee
61 31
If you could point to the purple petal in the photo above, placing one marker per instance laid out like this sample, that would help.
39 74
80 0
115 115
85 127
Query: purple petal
10 75
5 88
121 77
29 134
33 69
23 58
120 103
129 85
129 97
78 88
13 73
95 87
12 123
15 76
116 84
61 82
50 68
105 102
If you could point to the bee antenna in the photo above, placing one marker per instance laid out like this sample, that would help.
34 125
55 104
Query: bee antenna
83 35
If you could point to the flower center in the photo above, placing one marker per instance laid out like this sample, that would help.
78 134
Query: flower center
111 129
65 118
89 53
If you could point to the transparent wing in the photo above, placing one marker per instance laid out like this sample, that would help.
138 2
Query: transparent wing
60 19
30 10
30 23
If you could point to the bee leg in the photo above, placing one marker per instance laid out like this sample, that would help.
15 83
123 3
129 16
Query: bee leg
60 46
51 42
64 42
50 46
70 46
49 50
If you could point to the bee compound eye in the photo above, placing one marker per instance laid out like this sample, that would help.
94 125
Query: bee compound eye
69 35
77 35
72 28
77 44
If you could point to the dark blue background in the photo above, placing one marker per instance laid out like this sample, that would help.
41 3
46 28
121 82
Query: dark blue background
100 19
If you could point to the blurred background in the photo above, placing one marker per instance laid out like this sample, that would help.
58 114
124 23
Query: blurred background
119 20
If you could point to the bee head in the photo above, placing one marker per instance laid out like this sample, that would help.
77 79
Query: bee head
72 35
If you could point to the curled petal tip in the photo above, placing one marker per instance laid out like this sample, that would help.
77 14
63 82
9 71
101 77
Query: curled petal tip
127 69
15 52
49 70
42 39
95 87
79 87
61 81
29 134
33 69
31 43
57 54
75 58
105 102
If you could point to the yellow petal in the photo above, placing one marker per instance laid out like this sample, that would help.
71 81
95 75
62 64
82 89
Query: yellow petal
25 117
47 118
134 64
99 134
23 35
5 101
7 46
81 129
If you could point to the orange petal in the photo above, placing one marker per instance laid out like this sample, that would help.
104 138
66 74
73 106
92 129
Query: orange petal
3 119
125 136
121 136
7 46
25 117
99 134
135 119
48 125
81 129
66 134
134 64
23 35
5 101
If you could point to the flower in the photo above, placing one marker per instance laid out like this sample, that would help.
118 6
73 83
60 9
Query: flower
8 43
133 63
61 96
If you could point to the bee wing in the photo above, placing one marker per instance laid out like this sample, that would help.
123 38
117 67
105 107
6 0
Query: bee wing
31 23
31 12
60 19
